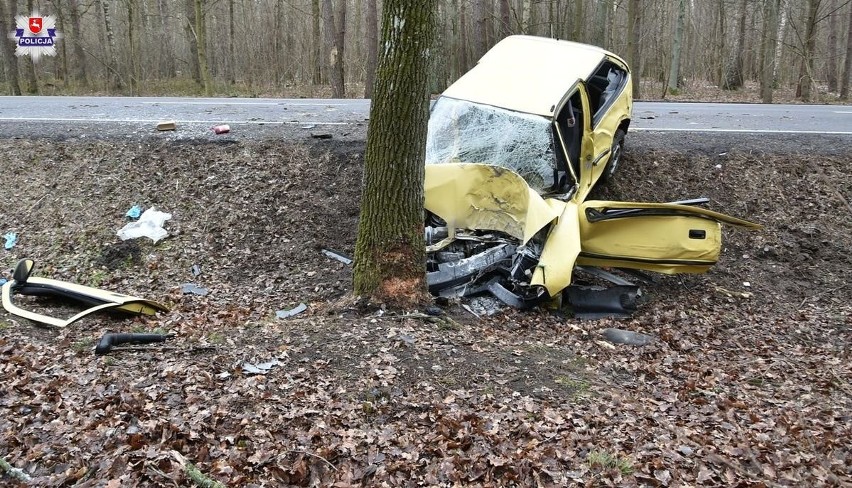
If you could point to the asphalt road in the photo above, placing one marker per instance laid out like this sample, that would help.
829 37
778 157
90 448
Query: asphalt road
815 127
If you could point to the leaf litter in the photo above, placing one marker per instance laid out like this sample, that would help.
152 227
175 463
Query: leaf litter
748 387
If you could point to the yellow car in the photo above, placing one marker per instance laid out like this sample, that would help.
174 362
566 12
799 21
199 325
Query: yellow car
514 147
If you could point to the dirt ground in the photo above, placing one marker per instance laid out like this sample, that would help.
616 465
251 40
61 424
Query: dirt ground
746 384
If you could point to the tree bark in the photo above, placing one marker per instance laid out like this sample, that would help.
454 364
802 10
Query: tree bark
78 71
770 32
847 65
30 79
189 29
803 90
372 35
316 48
832 54
505 27
634 39
481 39
201 42
114 75
390 249
131 41
734 77
464 45
333 59
232 57
677 43
7 49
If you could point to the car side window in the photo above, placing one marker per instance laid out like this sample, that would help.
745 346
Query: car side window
604 87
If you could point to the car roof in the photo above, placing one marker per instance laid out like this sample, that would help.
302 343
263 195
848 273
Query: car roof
528 74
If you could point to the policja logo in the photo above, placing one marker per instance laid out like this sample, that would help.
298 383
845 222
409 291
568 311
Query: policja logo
35 35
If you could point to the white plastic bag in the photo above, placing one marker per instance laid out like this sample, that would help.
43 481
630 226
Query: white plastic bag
150 224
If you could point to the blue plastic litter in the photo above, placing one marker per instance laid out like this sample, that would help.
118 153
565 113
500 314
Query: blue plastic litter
11 240
3 281
134 212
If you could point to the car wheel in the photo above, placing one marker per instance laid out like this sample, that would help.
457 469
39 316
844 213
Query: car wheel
615 155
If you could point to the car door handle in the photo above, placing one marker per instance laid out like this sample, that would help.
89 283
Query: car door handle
601 156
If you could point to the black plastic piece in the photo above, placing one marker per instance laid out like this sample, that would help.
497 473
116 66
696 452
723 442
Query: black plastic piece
114 339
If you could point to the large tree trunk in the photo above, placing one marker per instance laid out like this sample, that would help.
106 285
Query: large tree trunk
390 250
803 90
734 77
7 49
372 35
770 33
677 44
634 39
847 65
335 63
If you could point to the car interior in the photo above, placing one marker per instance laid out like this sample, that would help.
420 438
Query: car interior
608 80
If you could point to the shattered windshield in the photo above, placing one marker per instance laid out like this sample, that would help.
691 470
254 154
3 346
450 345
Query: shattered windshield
461 131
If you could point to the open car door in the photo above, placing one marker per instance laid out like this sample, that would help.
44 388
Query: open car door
663 237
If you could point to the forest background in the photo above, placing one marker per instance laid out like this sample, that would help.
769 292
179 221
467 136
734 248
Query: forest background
722 50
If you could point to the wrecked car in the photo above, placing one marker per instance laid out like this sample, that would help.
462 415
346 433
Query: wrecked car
513 149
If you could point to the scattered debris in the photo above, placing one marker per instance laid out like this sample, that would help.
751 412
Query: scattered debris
11 240
221 129
16 473
150 224
630 338
134 212
195 270
260 368
283 314
333 255
596 302
110 339
24 284
166 125
321 135
733 294
193 289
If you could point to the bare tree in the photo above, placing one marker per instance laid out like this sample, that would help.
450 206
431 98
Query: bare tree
734 76
768 46
634 40
831 62
78 71
10 61
847 66
803 89
334 58
389 252
372 36
677 43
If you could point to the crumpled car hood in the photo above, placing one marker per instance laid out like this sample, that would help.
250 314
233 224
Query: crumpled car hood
481 196
660 237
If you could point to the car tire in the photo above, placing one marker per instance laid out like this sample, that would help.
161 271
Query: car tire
615 155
